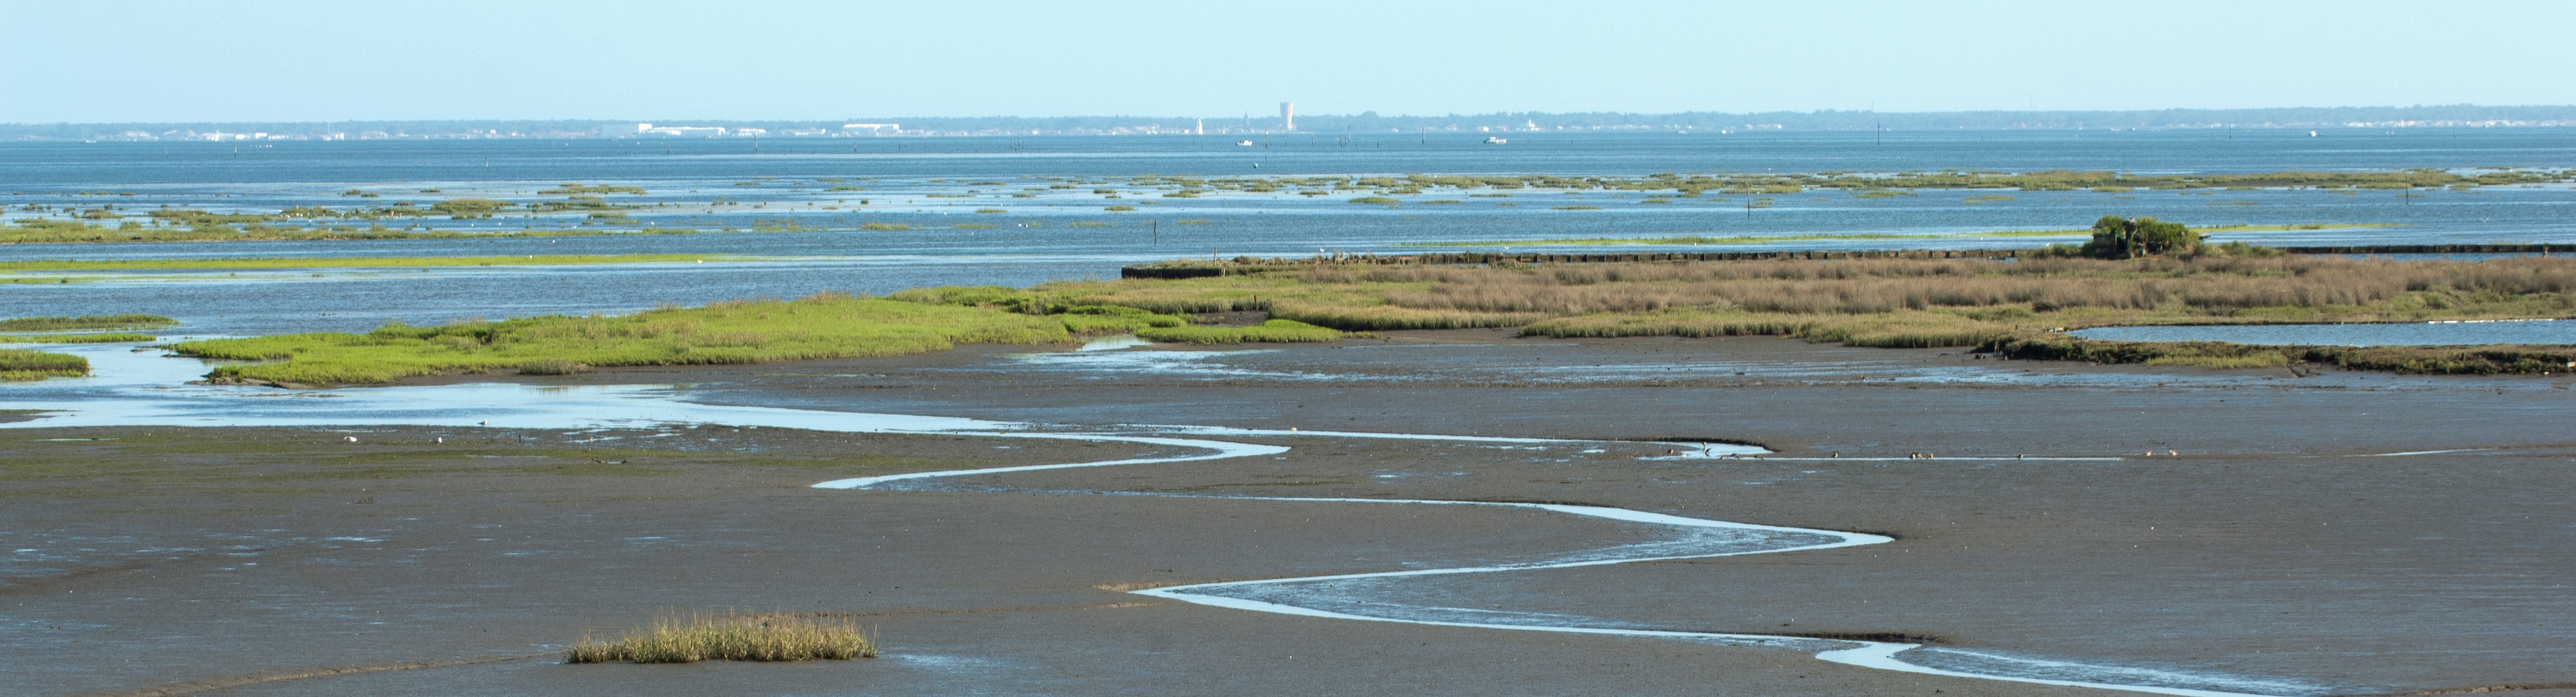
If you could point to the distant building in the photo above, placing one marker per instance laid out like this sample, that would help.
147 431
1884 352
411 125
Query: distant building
872 127
1288 116
700 131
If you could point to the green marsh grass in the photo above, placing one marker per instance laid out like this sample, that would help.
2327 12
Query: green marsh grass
84 322
1273 331
99 338
820 326
19 365
1111 319
355 262
730 636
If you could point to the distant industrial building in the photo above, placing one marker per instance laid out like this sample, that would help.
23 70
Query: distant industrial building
1288 116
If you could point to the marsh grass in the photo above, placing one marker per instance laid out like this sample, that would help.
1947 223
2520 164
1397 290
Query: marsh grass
84 322
1273 331
1111 319
824 325
100 338
730 636
20 365
1745 239
354 262
1894 302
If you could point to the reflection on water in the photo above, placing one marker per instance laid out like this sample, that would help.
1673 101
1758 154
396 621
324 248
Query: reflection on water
132 389
2374 334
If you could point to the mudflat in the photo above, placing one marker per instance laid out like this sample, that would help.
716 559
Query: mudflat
2337 533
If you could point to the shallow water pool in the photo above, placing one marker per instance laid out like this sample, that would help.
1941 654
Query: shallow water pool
2380 334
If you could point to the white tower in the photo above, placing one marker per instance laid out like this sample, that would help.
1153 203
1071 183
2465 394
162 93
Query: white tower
1288 116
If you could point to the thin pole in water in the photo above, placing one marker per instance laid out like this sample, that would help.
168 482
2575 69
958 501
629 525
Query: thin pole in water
1158 232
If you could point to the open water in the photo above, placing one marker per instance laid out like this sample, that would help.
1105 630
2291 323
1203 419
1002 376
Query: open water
804 203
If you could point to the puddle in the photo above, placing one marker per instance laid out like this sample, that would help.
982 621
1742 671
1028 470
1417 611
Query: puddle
2543 331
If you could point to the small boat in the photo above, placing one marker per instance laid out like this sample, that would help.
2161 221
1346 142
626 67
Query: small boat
1245 143
1495 140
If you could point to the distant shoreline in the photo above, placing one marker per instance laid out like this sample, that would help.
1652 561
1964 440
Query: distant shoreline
2302 118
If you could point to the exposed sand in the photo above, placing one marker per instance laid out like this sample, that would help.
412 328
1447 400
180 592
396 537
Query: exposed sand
2266 550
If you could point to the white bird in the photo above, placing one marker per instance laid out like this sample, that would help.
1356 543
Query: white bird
353 439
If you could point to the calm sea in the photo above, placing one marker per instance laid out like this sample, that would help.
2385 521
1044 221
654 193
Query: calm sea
1052 224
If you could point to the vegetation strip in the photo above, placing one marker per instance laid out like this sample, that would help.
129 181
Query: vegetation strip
1768 239
361 262
99 338
84 322
2133 271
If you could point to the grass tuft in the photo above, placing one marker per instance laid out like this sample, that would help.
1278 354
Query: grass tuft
728 636
19 365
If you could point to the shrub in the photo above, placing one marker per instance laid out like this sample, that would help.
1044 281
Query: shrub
2115 237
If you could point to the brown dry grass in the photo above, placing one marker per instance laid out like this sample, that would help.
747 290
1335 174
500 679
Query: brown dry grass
729 636
1869 286
1886 302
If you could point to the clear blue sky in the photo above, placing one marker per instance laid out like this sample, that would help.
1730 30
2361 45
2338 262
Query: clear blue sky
98 60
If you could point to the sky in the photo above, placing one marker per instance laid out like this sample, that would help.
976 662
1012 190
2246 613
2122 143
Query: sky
110 61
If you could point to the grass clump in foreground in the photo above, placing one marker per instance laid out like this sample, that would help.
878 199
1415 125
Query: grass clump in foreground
706 636
19 365
84 322
825 325
1273 331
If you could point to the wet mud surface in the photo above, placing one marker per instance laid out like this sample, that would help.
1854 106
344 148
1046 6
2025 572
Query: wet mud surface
2274 538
